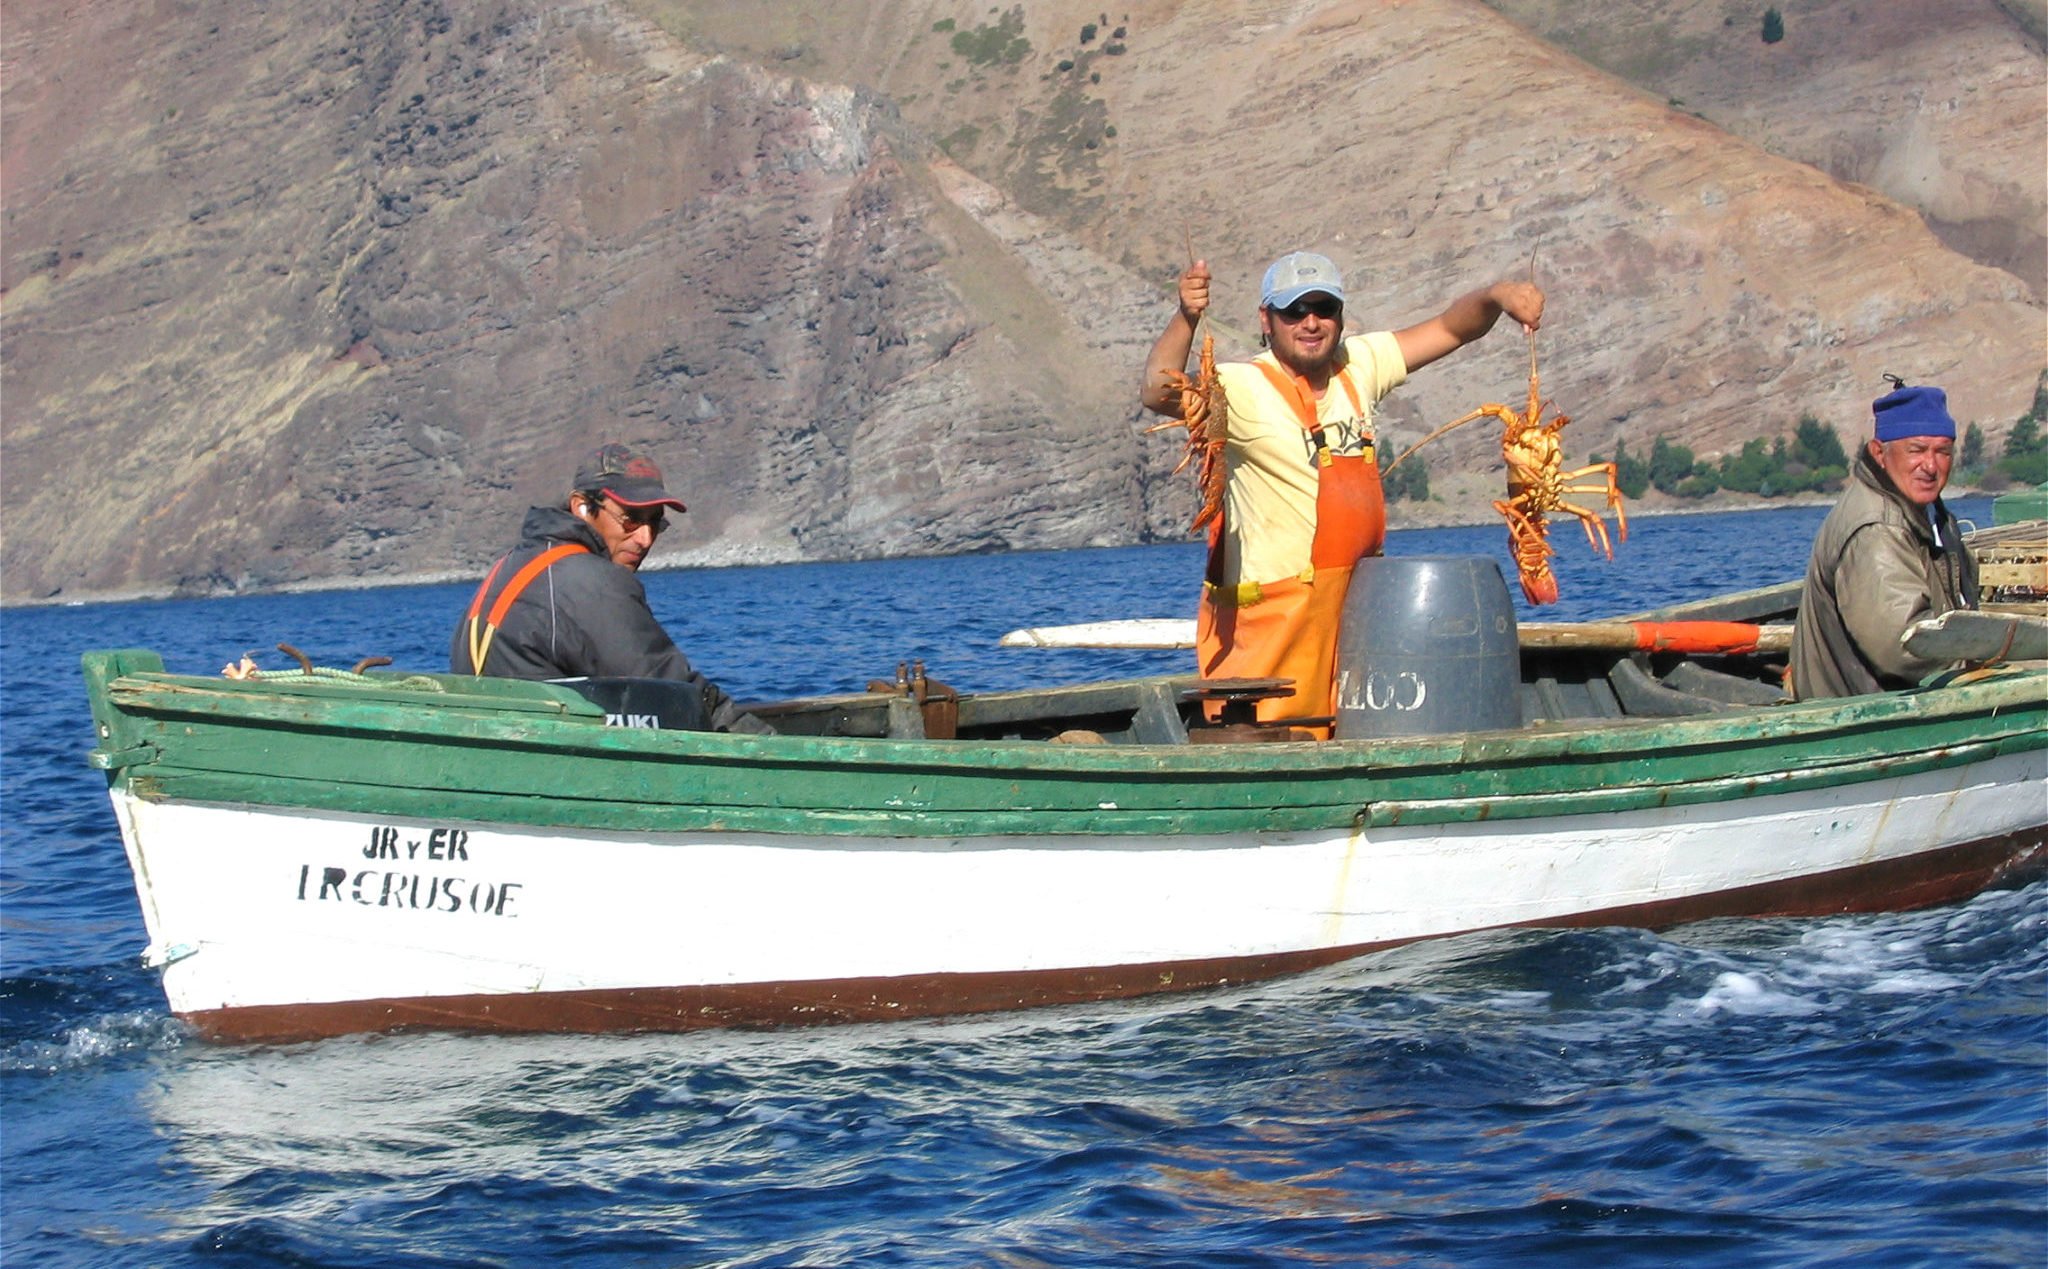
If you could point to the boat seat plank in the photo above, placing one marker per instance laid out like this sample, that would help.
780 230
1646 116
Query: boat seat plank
1548 698
996 709
1605 703
1542 699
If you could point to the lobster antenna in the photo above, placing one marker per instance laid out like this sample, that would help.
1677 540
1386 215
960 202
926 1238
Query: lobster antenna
1476 414
1385 471
1215 325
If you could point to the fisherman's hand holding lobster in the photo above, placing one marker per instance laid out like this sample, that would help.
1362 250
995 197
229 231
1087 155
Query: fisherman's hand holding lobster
1537 480
1194 292
1197 403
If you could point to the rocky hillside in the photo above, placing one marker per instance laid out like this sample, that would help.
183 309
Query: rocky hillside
331 291
1938 107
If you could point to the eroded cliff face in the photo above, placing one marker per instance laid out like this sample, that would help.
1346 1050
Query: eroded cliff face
1701 286
334 292
1939 107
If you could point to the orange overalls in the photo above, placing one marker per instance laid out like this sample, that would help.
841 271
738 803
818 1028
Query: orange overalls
1288 628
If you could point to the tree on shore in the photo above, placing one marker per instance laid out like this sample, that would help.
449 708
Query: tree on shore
2025 458
2026 453
1810 461
1410 480
1631 474
1970 455
1670 464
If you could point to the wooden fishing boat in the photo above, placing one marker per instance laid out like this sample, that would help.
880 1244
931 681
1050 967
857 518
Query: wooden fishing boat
333 852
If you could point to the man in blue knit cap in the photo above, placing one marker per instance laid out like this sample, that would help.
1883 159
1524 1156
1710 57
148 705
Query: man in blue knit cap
1888 555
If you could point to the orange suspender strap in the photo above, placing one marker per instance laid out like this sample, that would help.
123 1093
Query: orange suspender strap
477 605
1294 391
479 648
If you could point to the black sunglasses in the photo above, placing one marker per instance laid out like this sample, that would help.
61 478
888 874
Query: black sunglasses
1325 308
636 519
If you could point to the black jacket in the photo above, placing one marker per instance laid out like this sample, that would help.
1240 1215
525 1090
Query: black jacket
584 617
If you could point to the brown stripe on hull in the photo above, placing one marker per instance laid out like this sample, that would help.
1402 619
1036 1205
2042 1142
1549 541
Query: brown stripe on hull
1940 876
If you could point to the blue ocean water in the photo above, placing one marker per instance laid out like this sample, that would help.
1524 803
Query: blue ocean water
1868 1091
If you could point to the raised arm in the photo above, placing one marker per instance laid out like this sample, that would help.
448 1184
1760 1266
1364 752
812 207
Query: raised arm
1469 317
1170 352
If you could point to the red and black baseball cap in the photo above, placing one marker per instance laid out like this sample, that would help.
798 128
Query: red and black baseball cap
626 476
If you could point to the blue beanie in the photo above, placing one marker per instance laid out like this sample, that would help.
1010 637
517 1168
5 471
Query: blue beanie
1913 412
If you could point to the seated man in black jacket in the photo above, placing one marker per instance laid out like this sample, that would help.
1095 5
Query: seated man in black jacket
566 603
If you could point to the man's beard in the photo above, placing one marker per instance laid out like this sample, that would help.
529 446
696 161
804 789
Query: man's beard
1325 360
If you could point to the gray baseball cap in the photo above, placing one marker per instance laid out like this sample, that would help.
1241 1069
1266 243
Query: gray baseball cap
1300 273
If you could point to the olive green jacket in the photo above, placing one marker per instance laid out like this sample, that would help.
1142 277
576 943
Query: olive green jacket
1878 566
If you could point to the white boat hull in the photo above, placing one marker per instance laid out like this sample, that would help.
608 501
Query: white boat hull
262 918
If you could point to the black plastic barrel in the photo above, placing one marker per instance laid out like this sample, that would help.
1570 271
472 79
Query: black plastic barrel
1428 646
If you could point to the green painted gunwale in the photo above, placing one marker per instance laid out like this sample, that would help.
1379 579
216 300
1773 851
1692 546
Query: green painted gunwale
503 752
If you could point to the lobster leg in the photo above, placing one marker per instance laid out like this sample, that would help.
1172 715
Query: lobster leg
1610 489
1590 521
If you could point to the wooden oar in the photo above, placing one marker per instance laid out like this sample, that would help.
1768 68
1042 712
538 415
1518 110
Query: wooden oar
1596 636
1694 637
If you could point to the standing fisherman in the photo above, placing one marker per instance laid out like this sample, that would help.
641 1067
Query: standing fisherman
1302 500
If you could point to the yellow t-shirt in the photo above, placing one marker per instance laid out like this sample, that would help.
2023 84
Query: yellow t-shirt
1269 502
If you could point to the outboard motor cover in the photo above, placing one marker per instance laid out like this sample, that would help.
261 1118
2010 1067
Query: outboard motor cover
630 702
1428 645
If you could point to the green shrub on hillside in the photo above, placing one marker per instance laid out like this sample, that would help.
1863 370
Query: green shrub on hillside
1970 456
1751 471
1410 480
1774 26
1670 464
961 141
1815 444
1811 461
2024 458
1002 44
1814 462
2026 449
1631 474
